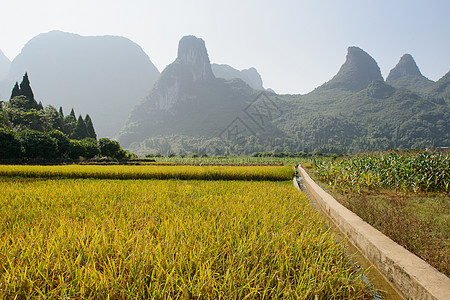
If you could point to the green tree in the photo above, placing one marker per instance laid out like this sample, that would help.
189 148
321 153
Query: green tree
91 147
77 149
70 124
15 91
10 146
22 119
38 144
4 119
23 103
53 118
109 148
80 129
90 127
25 88
62 141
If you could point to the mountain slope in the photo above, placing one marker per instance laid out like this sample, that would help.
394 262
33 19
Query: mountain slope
189 101
406 74
4 65
190 111
378 117
441 88
351 113
103 75
249 76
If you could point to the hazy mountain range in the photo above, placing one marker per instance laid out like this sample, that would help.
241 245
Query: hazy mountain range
250 76
104 76
190 110
4 65
196 106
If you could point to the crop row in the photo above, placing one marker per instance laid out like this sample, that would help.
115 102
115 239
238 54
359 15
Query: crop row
167 239
232 160
272 173
415 172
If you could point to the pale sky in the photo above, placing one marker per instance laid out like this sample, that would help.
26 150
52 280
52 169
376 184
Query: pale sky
295 45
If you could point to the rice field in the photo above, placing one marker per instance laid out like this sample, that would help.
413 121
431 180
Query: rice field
167 239
272 173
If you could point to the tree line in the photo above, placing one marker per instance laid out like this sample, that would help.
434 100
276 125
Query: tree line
28 130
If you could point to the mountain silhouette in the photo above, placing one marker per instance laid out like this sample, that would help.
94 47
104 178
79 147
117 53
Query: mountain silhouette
100 75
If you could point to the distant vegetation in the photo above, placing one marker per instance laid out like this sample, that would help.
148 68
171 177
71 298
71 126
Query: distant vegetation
28 130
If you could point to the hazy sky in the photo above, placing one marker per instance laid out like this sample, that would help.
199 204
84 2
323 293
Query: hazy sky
295 45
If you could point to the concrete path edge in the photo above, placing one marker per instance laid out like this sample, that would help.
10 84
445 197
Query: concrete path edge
409 274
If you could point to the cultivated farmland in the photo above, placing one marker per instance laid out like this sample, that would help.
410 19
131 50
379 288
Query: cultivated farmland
405 195
91 238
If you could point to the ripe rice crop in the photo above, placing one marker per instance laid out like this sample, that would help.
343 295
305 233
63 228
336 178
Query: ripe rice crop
415 172
82 238
273 173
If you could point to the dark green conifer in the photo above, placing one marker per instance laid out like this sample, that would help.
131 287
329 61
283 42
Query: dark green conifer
61 113
90 127
16 91
80 130
72 113
70 123
25 88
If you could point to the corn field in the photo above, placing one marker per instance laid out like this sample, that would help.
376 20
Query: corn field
412 172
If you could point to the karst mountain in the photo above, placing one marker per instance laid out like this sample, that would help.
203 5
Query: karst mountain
189 108
188 100
104 76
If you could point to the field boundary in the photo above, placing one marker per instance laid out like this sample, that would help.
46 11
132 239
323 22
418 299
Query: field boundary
409 274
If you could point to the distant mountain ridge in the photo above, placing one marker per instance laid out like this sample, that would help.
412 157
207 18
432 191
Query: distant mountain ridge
189 107
441 88
4 65
249 76
188 110
100 75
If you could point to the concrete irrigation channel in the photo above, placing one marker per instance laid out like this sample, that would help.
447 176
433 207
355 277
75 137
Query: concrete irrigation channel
395 271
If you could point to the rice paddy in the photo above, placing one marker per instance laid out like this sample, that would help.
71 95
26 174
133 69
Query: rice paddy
165 239
272 173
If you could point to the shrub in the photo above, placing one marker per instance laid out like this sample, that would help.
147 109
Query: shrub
62 141
38 144
108 147
10 146
91 146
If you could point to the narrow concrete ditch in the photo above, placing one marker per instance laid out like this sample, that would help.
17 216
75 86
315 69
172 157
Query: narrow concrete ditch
394 271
